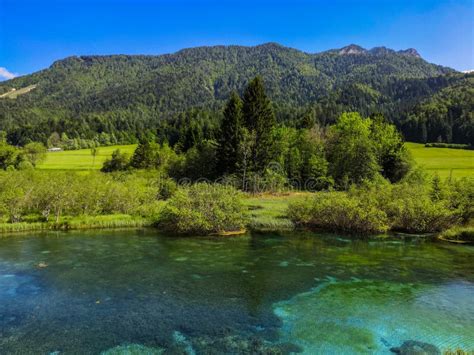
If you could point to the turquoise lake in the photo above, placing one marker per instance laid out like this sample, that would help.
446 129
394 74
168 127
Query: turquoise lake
139 292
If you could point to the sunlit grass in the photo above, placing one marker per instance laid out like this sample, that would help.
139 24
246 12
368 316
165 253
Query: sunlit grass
268 212
81 159
456 163
79 222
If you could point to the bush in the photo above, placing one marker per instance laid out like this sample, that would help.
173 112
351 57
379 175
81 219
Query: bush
167 189
339 212
376 207
57 194
118 162
203 209
419 214
460 197
415 208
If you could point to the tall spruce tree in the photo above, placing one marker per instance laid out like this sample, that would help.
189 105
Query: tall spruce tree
230 135
259 118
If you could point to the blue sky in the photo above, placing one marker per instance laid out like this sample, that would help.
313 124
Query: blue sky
33 34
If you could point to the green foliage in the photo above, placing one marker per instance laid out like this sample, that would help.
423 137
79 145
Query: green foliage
10 157
230 136
392 156
145 156
50 195
118 162
259 117
199 162
35 153
167 188
464 234
445 116
150 155
339 212
118 99
421 215
412 208
351 153
203 209
378 206
460 197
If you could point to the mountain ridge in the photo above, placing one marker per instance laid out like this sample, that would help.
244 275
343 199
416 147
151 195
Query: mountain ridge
346 50
88 94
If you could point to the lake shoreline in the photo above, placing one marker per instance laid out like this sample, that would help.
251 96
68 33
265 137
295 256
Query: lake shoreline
128 222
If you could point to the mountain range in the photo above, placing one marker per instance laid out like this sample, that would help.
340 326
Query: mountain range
86 95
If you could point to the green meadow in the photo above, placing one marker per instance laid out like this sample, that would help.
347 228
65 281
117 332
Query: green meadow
81 159
456 163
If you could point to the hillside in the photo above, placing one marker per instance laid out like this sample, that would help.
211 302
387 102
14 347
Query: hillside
83 96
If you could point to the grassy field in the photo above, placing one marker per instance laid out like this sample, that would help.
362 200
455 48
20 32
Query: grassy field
446 162
13 94
81 159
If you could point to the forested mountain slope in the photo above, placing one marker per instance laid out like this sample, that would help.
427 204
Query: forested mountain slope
130 95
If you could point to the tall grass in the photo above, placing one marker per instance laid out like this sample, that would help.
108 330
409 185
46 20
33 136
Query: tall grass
79 222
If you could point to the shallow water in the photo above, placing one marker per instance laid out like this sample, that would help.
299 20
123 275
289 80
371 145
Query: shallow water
139 292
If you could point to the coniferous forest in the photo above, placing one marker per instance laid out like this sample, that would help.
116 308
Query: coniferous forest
178 98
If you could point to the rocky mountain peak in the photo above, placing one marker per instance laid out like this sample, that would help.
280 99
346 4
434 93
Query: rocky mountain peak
352 49
412 52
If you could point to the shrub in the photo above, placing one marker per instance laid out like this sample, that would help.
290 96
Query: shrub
411 208
57 194
339 212
420 215
167 188
203 209
118 162
460 197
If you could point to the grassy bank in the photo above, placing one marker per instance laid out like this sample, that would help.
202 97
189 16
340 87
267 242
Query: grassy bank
79 222
447 162
265 213
459 234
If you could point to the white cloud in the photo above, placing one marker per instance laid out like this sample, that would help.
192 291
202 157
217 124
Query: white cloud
5 74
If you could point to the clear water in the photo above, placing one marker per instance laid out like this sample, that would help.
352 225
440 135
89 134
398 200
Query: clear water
131 292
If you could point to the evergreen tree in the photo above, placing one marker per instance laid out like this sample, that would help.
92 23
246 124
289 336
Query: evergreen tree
118 162
144 156
436 192
259 118
230 135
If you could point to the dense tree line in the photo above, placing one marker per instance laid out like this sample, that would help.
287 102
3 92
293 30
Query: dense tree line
123 99
255 152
